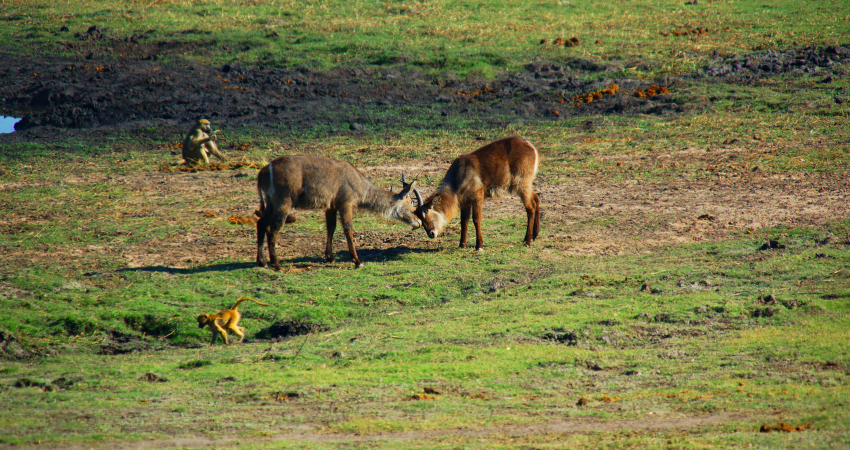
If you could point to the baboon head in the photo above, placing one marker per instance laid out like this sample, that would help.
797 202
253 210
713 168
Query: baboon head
205 126
203 320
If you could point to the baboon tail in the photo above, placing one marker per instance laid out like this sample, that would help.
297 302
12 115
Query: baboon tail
247 298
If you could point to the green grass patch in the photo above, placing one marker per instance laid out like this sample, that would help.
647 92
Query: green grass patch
477 38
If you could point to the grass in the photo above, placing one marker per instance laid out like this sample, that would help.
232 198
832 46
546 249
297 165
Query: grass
473 327
477 38
650 325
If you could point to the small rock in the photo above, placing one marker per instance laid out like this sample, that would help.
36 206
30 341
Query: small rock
772 245
581 402
152 377
357 126
764 312
769 300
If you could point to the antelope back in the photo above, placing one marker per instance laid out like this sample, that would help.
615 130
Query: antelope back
309 182
502 166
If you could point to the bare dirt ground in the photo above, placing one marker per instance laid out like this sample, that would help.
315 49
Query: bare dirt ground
639 216
88 98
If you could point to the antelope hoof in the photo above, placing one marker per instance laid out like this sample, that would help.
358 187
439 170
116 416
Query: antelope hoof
261 263
359 265
479 249
276 267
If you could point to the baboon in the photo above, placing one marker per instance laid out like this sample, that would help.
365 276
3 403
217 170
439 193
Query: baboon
199 143
224 320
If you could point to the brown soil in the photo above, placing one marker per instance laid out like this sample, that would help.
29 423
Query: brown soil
640 217
89 97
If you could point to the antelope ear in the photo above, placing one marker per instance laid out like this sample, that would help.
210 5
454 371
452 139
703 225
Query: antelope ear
410 188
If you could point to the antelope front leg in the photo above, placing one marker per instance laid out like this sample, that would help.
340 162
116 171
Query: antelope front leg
348 228
330 224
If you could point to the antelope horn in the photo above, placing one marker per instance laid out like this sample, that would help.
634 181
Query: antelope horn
418 197
403 179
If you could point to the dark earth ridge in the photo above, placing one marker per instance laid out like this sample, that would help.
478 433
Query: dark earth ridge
86 98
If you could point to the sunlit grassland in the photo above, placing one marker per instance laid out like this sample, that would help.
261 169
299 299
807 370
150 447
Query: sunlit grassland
481 328
478 38
435 320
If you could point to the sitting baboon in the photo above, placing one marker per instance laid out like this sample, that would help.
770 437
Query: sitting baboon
199 142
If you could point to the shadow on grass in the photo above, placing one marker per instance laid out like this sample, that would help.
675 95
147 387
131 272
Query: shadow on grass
366 255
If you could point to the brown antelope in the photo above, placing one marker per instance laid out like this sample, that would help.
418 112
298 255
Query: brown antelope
310 182
507 165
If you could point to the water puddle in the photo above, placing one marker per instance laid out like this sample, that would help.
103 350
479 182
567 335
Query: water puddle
7 124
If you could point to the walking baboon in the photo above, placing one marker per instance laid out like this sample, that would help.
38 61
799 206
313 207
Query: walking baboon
227 319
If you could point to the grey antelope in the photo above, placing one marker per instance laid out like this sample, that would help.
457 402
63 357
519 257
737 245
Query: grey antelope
508 165
310 182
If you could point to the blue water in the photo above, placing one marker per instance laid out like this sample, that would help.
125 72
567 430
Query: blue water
7 124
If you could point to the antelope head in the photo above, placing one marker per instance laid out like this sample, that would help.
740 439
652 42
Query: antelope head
431 214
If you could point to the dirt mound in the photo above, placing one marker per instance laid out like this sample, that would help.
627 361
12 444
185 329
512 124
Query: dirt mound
795 61
118 343
286 328
11 348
